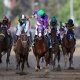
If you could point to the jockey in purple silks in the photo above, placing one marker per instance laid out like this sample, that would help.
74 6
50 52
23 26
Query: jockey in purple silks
42 23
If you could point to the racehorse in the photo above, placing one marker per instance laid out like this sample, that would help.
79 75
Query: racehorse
55 49
40 49
5 44
68 47
22 50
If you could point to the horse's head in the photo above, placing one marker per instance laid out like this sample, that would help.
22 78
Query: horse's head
40 34
70 35
4 29
3 33
53 32
24 39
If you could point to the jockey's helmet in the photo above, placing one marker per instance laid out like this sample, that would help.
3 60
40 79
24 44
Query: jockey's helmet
53 19
70 22
22 17
5 18
62 24
41 12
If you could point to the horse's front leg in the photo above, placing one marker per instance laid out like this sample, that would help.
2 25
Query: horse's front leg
65 54
71 58
38 66
0 57
27 60
58 58
18 60
22 66
71 61
65 60
47 59
7 59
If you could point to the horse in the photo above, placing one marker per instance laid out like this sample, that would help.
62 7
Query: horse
40 49
55 49
21 51
68 48
5 44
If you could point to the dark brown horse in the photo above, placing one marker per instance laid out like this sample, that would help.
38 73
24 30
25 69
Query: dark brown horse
68 47
55 48
22 50
40 49
5 44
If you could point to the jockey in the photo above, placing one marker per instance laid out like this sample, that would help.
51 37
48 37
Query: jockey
70 27
6 22
55 26
54 23
42 23
62 30
24 24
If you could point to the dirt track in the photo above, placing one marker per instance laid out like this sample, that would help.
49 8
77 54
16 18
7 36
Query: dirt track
32 75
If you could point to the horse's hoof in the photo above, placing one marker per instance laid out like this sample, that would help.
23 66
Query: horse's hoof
71 68
37 70
28 66
42 67
21 73
58 69
7 69
46 71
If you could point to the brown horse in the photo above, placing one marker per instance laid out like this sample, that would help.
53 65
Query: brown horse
22 50
55 48
40 49
68 47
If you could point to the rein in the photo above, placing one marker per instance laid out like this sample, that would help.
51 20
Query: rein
1 34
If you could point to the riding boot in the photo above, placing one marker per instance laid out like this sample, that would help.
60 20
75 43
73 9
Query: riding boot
59 39
49 41
35 37
0 58
29 42
49 35
74 39
10 39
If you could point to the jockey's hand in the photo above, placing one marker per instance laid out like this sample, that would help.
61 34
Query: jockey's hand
32 16
25 32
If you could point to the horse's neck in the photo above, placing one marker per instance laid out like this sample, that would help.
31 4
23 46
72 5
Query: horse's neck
53 35
19 43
